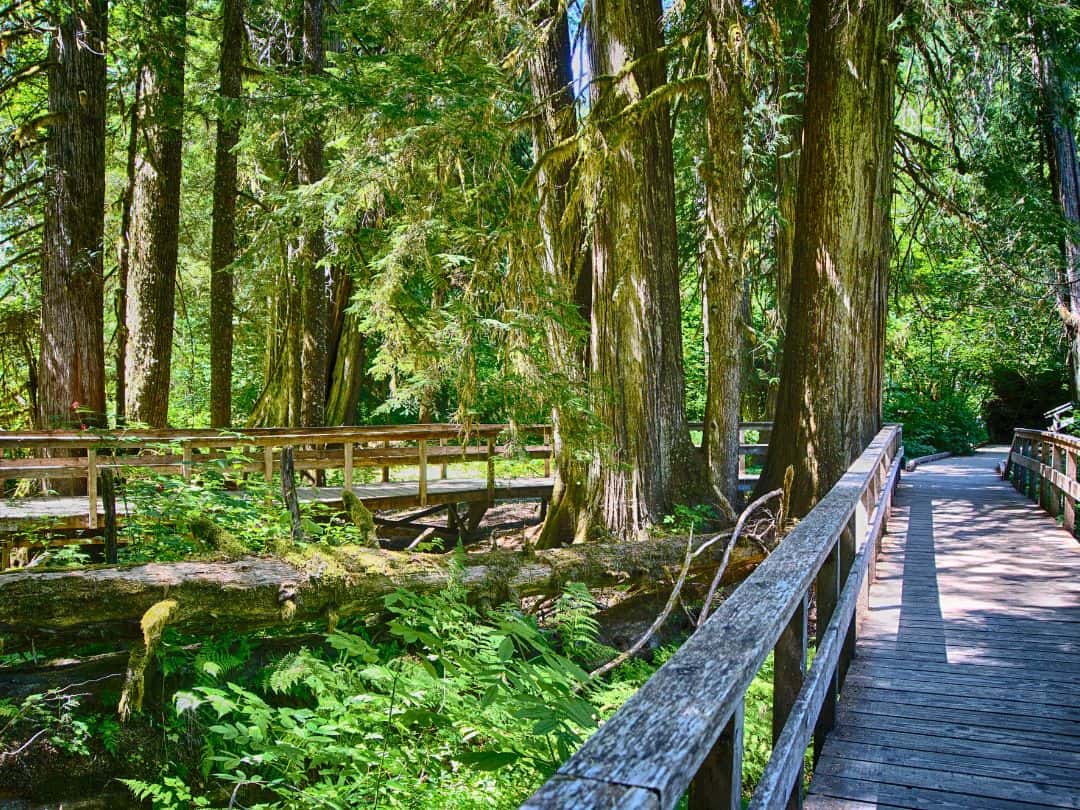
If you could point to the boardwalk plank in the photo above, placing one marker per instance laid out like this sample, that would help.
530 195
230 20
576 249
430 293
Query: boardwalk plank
986 787
952 763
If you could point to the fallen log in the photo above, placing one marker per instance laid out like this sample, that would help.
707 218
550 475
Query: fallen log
106 603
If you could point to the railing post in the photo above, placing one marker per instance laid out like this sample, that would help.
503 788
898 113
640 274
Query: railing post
551 449
268 463
1070 505
1044 483
1053 505
491 470
348 473
827 591
91 488
846 545
185 461
442 467
421 450
386 470
718 782
789 669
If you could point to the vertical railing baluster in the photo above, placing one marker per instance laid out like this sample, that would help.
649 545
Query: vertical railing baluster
718 782
348 473
789 669
1053 504
421 453
827 593
91 488
1070 504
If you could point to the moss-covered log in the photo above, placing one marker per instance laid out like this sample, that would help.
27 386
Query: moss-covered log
107 602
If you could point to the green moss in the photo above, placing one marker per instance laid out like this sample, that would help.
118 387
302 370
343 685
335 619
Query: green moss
360 516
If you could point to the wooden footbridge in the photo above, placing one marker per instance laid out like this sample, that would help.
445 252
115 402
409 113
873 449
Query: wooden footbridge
365 460
946 664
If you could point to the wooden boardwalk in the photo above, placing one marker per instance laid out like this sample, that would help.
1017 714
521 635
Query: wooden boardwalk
965 687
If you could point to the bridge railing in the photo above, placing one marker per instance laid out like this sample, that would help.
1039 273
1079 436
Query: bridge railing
684 728
1042 465
82 455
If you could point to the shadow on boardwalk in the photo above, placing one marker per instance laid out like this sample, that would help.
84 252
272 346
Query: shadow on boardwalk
965 689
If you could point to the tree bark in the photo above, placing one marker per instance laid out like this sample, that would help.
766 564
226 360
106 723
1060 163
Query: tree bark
565 265
791 69
312 247
107 603
120 336
72 367
725 219
829 404
636 372
155 213
1065 185
347 359
223 237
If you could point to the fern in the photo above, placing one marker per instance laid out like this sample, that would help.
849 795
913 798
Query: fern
575 621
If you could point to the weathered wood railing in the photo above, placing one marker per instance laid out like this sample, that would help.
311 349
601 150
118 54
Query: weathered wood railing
83 455
683 729
1042 465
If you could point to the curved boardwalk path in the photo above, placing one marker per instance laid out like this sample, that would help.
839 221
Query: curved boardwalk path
965 687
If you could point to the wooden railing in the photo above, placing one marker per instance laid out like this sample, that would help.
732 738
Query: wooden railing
82 455
684 728
1042 465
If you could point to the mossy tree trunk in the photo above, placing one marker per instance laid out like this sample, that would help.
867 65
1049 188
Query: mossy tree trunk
223 237
645 463
40 608
72 366
725 215
829 404
565 264
153 238
1065 184
314 291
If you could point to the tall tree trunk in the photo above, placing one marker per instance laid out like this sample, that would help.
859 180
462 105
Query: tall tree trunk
829 406
123 263
790 31
790 22
1065 184
725 190
223 238
312 247
155 213
564 262
648 463
72 368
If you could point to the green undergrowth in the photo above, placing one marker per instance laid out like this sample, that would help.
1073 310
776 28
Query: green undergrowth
441 705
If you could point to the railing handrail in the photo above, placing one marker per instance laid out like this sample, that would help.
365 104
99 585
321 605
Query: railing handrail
685 723
104 438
